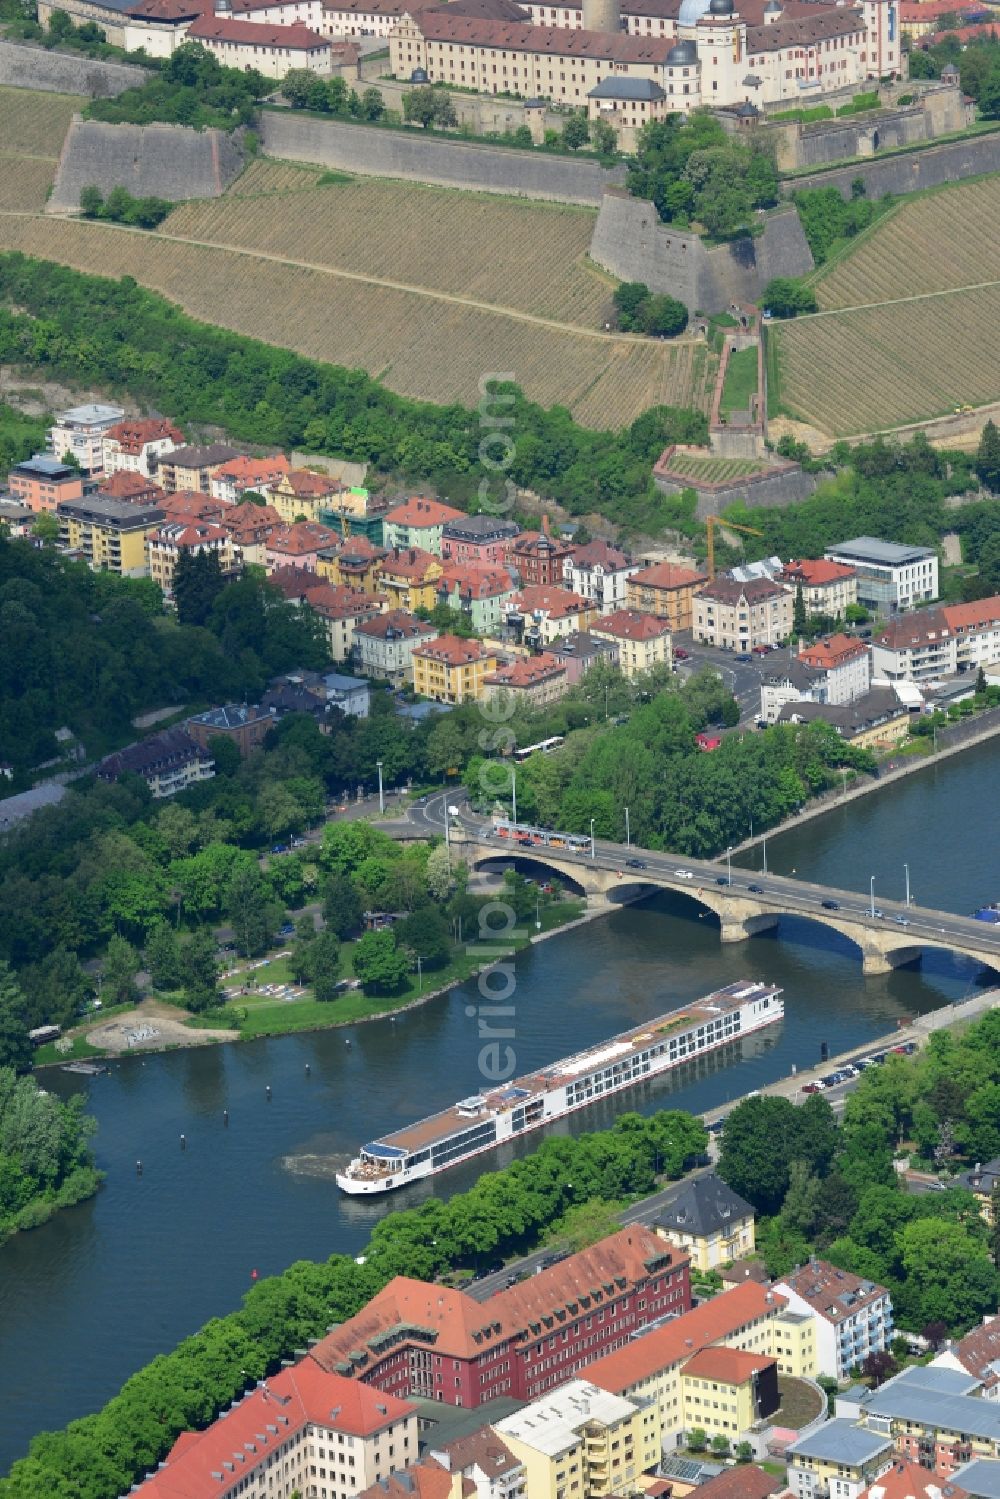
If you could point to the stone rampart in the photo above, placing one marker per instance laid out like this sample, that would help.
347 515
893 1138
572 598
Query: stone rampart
940 110
908 172
631 243
376 152
779 484
160 161
23 66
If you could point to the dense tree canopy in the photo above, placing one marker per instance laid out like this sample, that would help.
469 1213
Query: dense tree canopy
191 88
694 172
45 1159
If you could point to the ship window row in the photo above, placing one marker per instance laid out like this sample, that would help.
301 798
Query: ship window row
469 1139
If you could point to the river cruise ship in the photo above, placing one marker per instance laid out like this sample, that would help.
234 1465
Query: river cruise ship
486 1120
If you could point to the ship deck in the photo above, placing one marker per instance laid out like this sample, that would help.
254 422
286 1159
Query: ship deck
521 1090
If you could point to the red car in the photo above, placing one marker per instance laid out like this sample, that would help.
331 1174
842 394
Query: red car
680 654
812 1088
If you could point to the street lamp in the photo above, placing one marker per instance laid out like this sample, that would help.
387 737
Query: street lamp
538 913
763 844
593 851
381 795
906 871
729 862
873 899
628 831
513 792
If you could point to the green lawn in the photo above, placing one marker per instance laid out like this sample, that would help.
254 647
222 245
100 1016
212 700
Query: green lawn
741 381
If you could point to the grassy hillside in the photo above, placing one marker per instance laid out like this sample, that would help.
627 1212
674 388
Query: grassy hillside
906 325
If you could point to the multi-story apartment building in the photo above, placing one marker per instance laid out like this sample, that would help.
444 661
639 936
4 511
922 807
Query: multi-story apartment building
538 557
485 1461
409 578
299 494
935 1417
709 1221
452 670
534 681
525 1340
828 588
480 592
853 1315
891 578
79 433
643 640
975 628
42 482
303 1431
876 721
271 50
232 480
342 610
168 762
297 544
740 615
837 1461
538 615
725 1392
136 446
186 470
579 651
750 1317
600 573
385 645
133 488
419 522
939 642
250 527
977 1354
112 535
667 590
165 545
845 665
480 539
243 724
582 1440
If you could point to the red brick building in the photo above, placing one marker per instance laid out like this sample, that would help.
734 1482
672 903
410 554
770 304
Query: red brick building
538 557
435 1342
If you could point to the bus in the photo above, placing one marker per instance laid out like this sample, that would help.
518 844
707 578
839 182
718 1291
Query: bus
543 747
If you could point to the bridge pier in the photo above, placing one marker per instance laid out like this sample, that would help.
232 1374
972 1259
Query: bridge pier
739 931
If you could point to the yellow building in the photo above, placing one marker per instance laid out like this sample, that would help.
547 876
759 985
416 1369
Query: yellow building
409 577
582 1441
749 1317
111 534
665 590
643 640
710 1221
355 563
838 1459
876 721
301 493
725 1392
451 670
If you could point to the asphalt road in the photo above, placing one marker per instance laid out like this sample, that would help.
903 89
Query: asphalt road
741 677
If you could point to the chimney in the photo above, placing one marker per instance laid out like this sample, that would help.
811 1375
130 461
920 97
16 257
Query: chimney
545 526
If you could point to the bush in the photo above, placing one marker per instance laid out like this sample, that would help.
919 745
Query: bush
786 297
121 208
639 311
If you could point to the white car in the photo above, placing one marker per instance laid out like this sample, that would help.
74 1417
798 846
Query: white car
684 874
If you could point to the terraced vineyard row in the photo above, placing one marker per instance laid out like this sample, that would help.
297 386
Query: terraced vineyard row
264 178
884 367
509 254
944 240
24 181
418 345
711 470
35 124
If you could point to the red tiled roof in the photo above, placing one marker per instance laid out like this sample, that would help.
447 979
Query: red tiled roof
302 481
410 563
198 533
667 575
906 1480
631 624
979 1351
297 38
527 671
396 620
962 34
727 1365
919 628
744 1482
931 10
343 603
249 522
426 1479
553 601
598 554
823 25
249 471
439 26
475 582
131 487
977 615
251 1432
676 1341
823 1287
418 511
833 651
729 591
452 650
188 504
132 436
300 537
812 572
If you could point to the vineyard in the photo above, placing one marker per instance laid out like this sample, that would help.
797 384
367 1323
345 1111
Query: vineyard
875 368
24 181
499 251
710 470
35 124
933 243
419 345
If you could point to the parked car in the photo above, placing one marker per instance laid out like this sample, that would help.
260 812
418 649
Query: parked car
680 654
761 650
279 848
286 929
813 1088
831 905
745 657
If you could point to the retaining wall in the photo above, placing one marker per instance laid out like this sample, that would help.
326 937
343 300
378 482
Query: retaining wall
940 110
631 243
162 161
447 163
934 166
778 486
23 66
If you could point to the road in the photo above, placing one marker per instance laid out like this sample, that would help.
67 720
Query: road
741 677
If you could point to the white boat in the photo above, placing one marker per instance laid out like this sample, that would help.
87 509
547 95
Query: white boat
486 1120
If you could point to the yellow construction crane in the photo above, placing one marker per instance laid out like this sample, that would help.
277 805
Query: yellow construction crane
727 525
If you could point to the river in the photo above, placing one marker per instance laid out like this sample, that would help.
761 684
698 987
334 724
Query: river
94 1294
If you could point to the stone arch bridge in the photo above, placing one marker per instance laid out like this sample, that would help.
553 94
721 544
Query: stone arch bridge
748 903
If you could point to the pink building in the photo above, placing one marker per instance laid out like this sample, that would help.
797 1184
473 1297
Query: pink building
297 545
479 539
